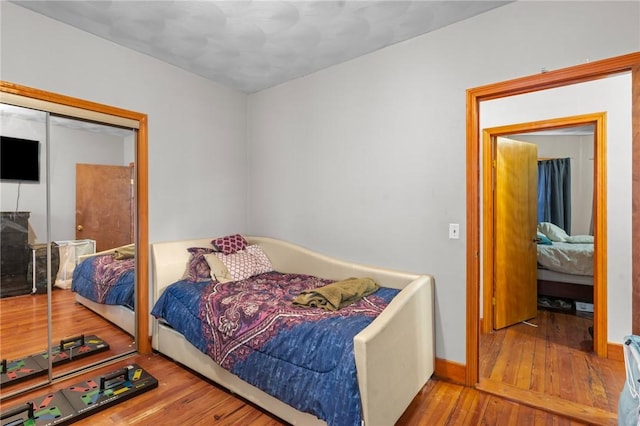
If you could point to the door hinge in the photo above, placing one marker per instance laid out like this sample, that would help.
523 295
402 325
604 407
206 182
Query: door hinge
493 300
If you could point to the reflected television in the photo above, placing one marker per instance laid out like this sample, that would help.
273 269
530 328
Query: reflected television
19 159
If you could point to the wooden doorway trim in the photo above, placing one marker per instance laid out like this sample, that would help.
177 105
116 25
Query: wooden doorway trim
548 80
598 120
141 189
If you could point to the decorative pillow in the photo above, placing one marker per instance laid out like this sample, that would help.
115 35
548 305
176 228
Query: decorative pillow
198 269
230 244
542 239
219 272
580 239
553 232
246 263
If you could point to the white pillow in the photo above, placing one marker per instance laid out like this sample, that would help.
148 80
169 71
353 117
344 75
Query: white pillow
553 232
580 239
244 263
219 272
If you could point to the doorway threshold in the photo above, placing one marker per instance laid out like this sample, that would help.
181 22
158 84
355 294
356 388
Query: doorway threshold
552 404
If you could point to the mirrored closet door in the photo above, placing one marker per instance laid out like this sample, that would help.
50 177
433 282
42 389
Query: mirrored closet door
91 212
76 266
23 205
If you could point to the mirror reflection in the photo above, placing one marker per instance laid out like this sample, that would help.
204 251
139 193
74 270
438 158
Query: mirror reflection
23 205
79 243
92 229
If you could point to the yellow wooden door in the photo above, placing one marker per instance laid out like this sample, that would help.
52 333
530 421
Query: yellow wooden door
515 201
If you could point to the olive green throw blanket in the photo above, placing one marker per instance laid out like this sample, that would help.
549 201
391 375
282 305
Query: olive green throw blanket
338 294
126 252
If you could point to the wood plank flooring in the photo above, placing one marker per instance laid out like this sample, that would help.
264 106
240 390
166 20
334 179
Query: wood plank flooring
23 330
551 365
184 397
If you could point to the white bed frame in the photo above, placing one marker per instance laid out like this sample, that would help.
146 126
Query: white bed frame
394 355
121 316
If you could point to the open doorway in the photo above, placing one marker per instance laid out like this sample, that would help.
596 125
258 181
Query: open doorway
564 234
565 78
505 246
540 351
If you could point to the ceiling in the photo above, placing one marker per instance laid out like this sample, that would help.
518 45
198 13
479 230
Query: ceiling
253 45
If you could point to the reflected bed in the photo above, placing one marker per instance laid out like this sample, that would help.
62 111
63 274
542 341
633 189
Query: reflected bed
104 283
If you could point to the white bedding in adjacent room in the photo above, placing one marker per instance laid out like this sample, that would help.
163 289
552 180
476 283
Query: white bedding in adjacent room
547 275
570 258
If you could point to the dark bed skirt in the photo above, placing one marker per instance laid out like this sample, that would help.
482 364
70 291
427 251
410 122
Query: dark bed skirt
579 292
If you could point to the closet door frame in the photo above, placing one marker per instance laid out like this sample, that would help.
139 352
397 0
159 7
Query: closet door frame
83 109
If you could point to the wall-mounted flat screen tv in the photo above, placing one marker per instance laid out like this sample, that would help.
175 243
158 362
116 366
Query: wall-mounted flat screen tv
19 159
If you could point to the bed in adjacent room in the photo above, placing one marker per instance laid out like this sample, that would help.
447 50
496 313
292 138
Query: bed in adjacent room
105 283
565 264
309 338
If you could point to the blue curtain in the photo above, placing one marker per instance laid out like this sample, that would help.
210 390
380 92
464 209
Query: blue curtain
554 192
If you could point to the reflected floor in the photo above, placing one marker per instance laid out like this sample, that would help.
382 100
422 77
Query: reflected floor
23 329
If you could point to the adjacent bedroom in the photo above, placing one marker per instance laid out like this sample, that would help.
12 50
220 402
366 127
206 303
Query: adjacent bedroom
564 234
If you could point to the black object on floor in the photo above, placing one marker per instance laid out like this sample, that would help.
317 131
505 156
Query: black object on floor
35 365
554 304
76 402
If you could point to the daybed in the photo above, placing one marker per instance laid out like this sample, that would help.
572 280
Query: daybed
104 283
565 264
393 355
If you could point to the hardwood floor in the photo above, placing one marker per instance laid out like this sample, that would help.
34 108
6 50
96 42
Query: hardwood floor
512 358
551 365
23 330
183 397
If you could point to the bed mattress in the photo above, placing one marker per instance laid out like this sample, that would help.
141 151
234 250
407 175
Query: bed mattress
570 258
302 356
547 275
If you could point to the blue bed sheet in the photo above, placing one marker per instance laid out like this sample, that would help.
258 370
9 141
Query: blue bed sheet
302 356
105 280
178 306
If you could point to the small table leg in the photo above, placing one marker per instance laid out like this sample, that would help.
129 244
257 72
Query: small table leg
33 272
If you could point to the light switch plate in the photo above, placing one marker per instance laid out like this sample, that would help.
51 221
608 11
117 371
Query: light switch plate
454 231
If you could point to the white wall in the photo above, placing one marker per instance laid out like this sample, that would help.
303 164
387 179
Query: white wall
366 160
66 147
579 149
197 151
27 196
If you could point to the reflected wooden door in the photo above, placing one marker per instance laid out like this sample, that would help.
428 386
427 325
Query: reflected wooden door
104 204
516 182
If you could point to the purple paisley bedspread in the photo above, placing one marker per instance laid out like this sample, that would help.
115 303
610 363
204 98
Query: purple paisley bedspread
302 356
105 280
